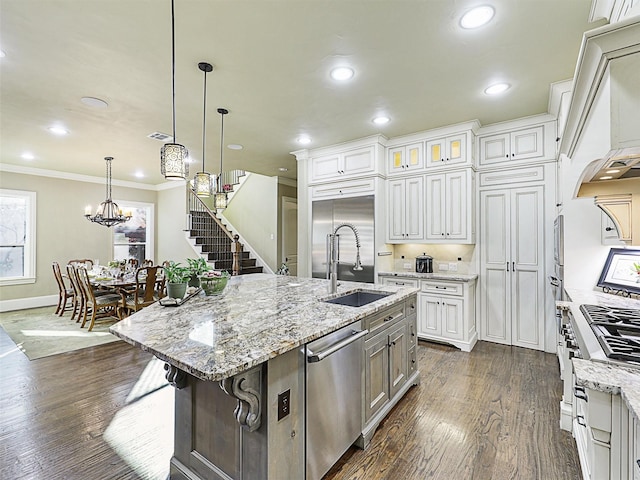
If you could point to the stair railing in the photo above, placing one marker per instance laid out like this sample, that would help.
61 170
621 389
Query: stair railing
212 230
232 177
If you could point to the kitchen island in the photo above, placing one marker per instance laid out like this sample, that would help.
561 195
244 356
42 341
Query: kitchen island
238 366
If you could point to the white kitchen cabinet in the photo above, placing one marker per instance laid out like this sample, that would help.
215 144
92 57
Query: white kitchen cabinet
634 448
405 158
513 147
450 150
446 312
450 213
342 165
405 209
512 264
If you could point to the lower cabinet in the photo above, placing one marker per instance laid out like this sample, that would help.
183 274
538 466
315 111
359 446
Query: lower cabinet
446 313
390 364
606 435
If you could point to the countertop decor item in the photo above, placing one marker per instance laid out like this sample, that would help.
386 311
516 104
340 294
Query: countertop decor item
177 278
173 156
620 272
214 281
202 182
108 212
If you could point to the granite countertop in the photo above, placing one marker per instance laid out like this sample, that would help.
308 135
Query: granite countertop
612 379
594 297
257 317
457 277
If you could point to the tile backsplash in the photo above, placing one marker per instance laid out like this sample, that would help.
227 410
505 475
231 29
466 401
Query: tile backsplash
443 255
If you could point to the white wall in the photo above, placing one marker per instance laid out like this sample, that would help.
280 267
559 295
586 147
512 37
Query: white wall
172 222
584 253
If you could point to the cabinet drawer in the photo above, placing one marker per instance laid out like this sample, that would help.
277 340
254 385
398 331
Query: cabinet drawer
343 189
442 287
400 281
512 175
413 361
384 318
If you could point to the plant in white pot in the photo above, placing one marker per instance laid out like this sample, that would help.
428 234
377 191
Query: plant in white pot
177 279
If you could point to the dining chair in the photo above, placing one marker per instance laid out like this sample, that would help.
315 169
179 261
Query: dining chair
147 263
85 262
78 299
149 288
66 296
133 262
100 306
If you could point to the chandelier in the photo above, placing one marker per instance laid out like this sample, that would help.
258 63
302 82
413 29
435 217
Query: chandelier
220 199
202 181
173 156
108 213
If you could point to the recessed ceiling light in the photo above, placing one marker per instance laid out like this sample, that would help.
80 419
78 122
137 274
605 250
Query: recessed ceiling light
342 73
94 102
283 169
381 120
57 130
497 88
139 174
476 17
27 156
304 140
606 177
612 171
235 146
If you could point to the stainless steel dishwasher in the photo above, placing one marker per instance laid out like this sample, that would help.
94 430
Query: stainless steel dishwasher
334 397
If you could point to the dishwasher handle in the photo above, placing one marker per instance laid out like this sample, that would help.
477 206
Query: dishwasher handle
317 357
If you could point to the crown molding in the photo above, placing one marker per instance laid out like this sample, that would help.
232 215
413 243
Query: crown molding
40 172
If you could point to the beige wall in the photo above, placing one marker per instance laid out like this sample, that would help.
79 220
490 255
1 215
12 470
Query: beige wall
62 232
254 213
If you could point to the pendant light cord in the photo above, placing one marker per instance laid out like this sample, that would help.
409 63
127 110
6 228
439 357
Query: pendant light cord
220 189
204 119
108 159
173 70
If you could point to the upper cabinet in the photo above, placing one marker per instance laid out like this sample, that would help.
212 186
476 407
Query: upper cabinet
449 207
447 151
406 209
525 144
405 158
341 165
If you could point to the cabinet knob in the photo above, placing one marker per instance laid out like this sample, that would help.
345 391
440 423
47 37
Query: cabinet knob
513 154
392 343
447 159
413 361
507 155
442 234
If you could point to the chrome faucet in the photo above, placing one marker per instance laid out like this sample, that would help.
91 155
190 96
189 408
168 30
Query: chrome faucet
332 254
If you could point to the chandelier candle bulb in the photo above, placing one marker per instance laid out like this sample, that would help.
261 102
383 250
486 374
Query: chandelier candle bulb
87 210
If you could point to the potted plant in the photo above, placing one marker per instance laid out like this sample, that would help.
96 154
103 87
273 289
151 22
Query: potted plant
197 266
177 278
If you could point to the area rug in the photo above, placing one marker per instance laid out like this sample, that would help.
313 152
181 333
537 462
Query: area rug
39 332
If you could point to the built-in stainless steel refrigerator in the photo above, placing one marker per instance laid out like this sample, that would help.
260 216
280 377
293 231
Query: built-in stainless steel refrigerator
326 216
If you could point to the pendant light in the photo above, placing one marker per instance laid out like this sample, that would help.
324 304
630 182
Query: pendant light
220 200
108 212
202 181
173 156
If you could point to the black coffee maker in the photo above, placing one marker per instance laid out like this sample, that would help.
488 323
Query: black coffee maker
424 264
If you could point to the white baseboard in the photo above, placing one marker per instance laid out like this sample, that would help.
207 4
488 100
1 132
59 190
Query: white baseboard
30 302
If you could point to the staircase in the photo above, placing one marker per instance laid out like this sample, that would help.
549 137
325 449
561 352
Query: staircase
216 243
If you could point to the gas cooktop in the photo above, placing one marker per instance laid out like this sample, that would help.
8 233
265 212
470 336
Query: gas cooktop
617 331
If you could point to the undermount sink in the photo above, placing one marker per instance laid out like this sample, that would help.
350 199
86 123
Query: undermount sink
358 298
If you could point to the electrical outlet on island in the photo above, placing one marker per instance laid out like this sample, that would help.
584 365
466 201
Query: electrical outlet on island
453 267
406 266
443 267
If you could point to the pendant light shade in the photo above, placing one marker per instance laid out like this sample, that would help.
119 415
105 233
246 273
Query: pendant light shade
203 184
173 156
220 199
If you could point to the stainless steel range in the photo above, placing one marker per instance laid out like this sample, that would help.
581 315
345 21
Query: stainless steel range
617 331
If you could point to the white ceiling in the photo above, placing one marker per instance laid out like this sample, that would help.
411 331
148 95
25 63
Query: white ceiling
272 60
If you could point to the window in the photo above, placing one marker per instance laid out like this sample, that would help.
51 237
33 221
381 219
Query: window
17 237
134 239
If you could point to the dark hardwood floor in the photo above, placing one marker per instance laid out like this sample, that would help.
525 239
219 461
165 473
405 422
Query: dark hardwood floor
106 413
